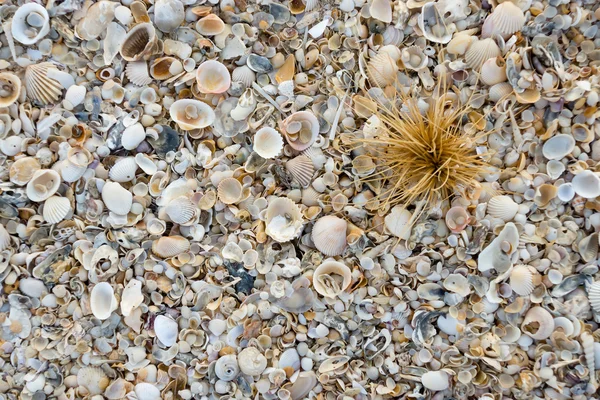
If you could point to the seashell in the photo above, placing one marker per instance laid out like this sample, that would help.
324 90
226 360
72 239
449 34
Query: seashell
382 69
521 280
146 164
170 246
555 168
588 247
457 283
137 73
493 71
287 71
381 10
69 171
251 361
116 198
30 23
22 170
283 220
538 323
435 381
268 143
56 209
147 391
10 86
497 255
244 75
505 19
132 136
302 169
329 235
227 368
529 96
457 219
40 86
211 25
594 296
191 114
331 278
432 24
123 170
213 77
165 67
413 58
93 379
503 207
304 383
230 191
43 184
301 130
259 64
500 91
544 194
131 297
558 147
589 351
166 330
398 222
140 43
75 95
480 51
181 210
565 192
102 300
459 44
156 226
4 238
586 184
168 15
581 133
117 389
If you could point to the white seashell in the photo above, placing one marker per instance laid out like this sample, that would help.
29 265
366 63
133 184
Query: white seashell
457 218
93 379
301 130
170 246
168 15
302 169
497 255
11 146
32 287
331 278
56 209
503 207
5 241
382 69
227 368
433 24
588 247
11 89
594 296
213 77
589 351
123 170
116 198
555 168
558 146
181 210
69 171
284 220
538 323
166 330
30 23
493 71
75 95
251 361
304 383
392 36
146 164
102 300
40 85
505 19
435 381
191 114
147 391
329 235
244 75
565 192
289 358
414 58
586 184
381 10
457 283
22 170
131 297
521 280
500 91
459 44
43 184
397 222
268 143
480 51
156 226
132 136
230 191
137 73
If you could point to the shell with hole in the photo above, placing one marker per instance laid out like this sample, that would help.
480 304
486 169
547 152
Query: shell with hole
331 278
212 77
56 209
301 130
493 71
191 114
123 170
102 300
538 323
283 219
329 235
43 184
268 143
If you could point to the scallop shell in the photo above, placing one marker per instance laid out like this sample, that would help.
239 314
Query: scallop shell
521 280
11 88
43 184
302 169
181 210
102 300
211 25
329 235
40 86
284 220
22 170
251 361
268 143
69 171
213 77
56 209
480 51
493 71
170 246
505 19
93 379
500 91
230 190
382 70
558 146
166 330
503 207
587 184
123 170
326 279
594 296
244 75
137 73
538 323
140 43
301 130
30 23
191 114
116 198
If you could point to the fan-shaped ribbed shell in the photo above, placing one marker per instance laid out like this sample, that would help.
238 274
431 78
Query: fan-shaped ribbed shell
230 190
170 246
480 51
139 43
22 170
4 238
70 172
594 296
43 184
244 75
502 207
56 209
268 143
93 379
500 91
123 170
137 73
40 86
326 278
116 198
329 235
382 69
181 210
301 168
11 88
521 280
506 19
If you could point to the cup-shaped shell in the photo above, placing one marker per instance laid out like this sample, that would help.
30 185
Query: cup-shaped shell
506 19
56 209
30 23
251 361
544 194
10 88
588 247
137 73
414 58
493 71
284 220
227 368
331 278
503 207
213 77
140 43
398 222
382 70
166 330
329 235
558 146
457 219
211 25
230 190
538 323
116 198
555 168
301 130
435 380
302 169
102 300
123 170
521 280
268 143
43 184
170 246
480 51
168 14
586 184
69 171
22 170
181 210
191 114
165 67
582 133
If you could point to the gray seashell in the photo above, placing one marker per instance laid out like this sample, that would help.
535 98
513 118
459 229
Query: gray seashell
569 284
259 64
168 15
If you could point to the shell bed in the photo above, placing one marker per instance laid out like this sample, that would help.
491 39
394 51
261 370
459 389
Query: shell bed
260 199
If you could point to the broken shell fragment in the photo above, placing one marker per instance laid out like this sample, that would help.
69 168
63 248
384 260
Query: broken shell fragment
30 23
10 88
284 220
331 278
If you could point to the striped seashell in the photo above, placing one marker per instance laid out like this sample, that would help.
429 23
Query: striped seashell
329 235
502 207
56 209
594 296
506 19
521 280
4 238
301 169
311 5
137 73
310 197
181 210
71 172
382 70
170 246
244 75
40 86
500 91
123 170
589 351
230 190
480 51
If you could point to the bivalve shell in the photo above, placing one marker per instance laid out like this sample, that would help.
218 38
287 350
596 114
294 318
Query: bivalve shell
521 280
230 190
268 143
435 380
43 184
181 210
170 246
587 184
329 235
123 170
166 330
398 221
284 220
213 77
93 379
22 170
558 146
137 73
40 86
116 198
11 88
56 209
594 296
480 51
191 114
506 19
102 300
132 136
331 278
302 169
503 207
211 25
244 75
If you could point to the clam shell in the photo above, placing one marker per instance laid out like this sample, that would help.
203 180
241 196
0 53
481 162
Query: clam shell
302 169
211 25
480 51
503 207
521 280
213 77
268 143
166 330
329 235
131 297
497 255
284 220
308 131
170 246
565 192
325 281
69 171
382 70
20 27
381 10
140 43
181 210
457 219
132 136
230 190
137 73
56 209
116 198
123 170
191 114
506 19
11 85
588 247
538 323
43 184
4 238
397 222
102 300
244 75
594 296
40 86
93 379
165 67
435 381
304 383
500 91
493 71
22 170
168 14
586 184
558 147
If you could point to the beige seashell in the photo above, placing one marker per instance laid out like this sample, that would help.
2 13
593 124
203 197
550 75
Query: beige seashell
22 170
588 247
381 10
166 330
544 195
529 96
493 71
165 67
147 391
457 283
398 222
459 44
191 114
329 235
521 280
413 58
268 143
145 163
30 23
40 86
93 379
500 91
304 383
555 168
331 278
436 381
43 184
211 25
116 198
10 86
382 69
538 323
506 19
594 296
170 246
301 130
302 169
123 170
497 255
56 209
131 297
140 43
284 220
457 219
244 75
118 389
230 191
586 184
480 51
251 361
156 226
102 300
582 133
181 210
137 73
213 77
503 207
558 146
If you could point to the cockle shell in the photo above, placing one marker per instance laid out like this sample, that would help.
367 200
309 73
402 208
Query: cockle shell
538 323
170 246
301 130
493 71
102 300
251 361
230 190
503 207
244 75
4 238
43 184
56 209
181 210
268 143
191 114
123 170
137 73
22 170
558 146
500 91
480 51
284 220
594 296
382 69
587 184
116 198
131 297
329 235
10 88
211 25
93 379
140 43
40 86
397 222
166 330
457 219
227 368
30 23
213 77
506 19
302 169
331 278
497 255
521 280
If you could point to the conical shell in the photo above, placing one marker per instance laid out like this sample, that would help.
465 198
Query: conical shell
11 88
22 170
329 235
123 170
140 43
170 246
43 184
230 190
116 198
268 143
213 77
21 28
102 300
244 75
137 73
40 86
506 19
589 351
301 168
56 209
521 280
331 278
284 220
181 210
493 71
191 114
480 51
594 296
503 207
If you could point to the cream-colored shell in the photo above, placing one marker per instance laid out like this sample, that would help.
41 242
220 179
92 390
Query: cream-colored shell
538 323
251 361
588 247
284 220
213 77
506 19
302 169
93 379
40 86
22 170
457 219
137 73
503 207
398 222
181 210
170 246
227 368
43 184
21 29
329 235
132 136
102 300
166 330
230 191
382 69
11 88
191 114
116 198
131 297
521 280
56 209
268 143
244 75
211 25
493 71
497 255
587 184
480 51
500 91
5 240
326 279
140 43
558 146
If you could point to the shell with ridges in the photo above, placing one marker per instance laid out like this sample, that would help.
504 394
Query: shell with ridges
284 220
521 280
116 198
22 170
480 51
93 379
302 169
268 143
329 235
137 73
382 69
40 86
170 246
123 170
594 296
500 91
325 282
4 238
244 75
503 207
56 209
506 19
230 190
181 210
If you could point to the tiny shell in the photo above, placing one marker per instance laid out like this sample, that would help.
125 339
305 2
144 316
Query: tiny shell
329 235
166 330
268 143
116 198
191 114
331 278
56 209
503 207
213 77
102 300
170 246
43 184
